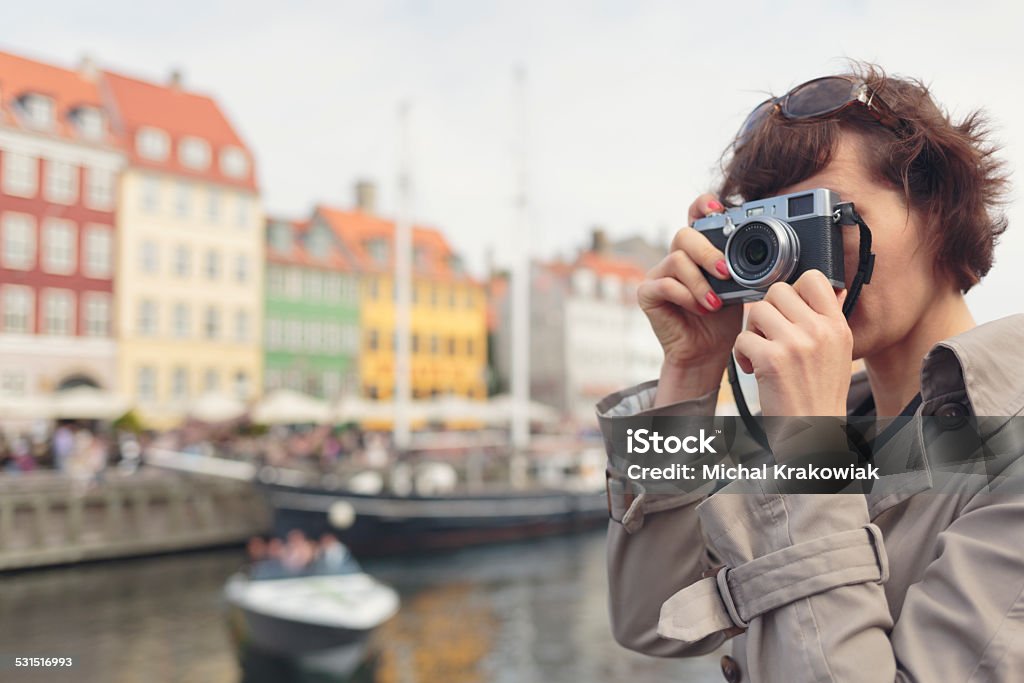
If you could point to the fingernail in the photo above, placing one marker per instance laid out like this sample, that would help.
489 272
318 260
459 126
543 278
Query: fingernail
714 303
722 268
715 206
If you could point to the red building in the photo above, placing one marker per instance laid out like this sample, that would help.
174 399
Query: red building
59 165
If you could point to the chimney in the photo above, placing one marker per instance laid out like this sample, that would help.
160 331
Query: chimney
176 79
598 240
366 196
87 68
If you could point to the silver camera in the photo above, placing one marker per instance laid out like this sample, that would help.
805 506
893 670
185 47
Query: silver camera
776 240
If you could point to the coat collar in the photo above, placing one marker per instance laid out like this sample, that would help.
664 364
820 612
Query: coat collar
974 374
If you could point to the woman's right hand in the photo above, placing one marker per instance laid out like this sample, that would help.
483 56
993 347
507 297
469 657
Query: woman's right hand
695 331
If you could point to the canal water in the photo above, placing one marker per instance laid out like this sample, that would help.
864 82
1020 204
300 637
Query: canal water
530 612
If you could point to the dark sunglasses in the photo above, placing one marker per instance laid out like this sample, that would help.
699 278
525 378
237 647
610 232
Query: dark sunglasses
817 99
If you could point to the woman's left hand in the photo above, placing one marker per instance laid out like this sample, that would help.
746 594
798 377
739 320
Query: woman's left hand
799 347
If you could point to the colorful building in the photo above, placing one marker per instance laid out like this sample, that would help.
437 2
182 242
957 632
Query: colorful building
58 167
190 250
448 316
311 338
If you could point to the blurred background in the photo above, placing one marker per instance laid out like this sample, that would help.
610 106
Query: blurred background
217 219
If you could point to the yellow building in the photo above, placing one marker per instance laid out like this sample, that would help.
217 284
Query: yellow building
448 317
190 252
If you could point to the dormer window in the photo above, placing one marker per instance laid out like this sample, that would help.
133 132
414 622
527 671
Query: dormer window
421 258
319 243
194 153
89 122
584 282
153 144
378 249
38 111
233 162
281 237
611 287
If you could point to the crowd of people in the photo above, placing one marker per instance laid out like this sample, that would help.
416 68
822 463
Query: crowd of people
81 450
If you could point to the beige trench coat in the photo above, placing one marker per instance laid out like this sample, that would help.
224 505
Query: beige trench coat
922 579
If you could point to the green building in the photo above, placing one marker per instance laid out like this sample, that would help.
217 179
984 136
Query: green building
311 316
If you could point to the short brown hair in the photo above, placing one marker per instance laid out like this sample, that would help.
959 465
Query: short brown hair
948 171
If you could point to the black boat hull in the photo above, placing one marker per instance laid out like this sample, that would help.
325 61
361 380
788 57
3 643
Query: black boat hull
380 525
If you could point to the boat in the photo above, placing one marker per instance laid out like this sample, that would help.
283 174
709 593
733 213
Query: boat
320 619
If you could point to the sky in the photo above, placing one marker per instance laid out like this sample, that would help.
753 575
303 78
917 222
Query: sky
622 119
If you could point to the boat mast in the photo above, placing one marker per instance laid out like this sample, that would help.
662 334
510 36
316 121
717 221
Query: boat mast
402 283
520 421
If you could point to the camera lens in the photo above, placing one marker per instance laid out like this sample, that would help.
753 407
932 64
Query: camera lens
761 252
756 251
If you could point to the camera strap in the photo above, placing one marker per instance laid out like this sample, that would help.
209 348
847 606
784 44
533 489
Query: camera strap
845 214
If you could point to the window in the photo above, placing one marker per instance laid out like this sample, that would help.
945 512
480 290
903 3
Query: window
372 340
20 174
241 385
313 286
241 268
58 312
38 111
182 199
150 195
611 287
61 182
242 212
97 314
451 346
294 335
18 309
332 337
99 261
90 123
13 383
470 298
182 261
182 323
233 162
378 249
320 244
179 383
213 205
434 344
469 347
99 188
275 334
212 265
242 327
153 144
294 283
374 288
146 383
452 296
415 343
59 246
149 259
314 336
350 337
194 153
281 236
276 281
19 241
147 322
211 380
211 327
332 287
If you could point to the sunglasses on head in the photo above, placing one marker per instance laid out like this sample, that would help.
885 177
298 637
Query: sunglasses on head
819 99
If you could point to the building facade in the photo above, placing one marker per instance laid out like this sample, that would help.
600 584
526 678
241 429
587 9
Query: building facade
59 162
190 251
311 338
448 317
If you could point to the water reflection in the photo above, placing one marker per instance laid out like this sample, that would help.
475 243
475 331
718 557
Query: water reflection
529 612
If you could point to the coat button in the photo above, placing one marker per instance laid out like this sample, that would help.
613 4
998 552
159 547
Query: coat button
731 670
952 410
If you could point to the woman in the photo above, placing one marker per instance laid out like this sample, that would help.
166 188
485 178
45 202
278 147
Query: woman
895 584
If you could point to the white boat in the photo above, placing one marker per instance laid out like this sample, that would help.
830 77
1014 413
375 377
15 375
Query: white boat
320 618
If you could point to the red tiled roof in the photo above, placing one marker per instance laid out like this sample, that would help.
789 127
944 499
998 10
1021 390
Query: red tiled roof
606 265
299 255
69 89
356 229
180 114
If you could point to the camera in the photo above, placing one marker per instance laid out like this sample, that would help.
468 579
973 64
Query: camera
776 240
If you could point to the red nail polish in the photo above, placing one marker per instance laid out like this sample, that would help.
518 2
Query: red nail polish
713 300
715 206
722 268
